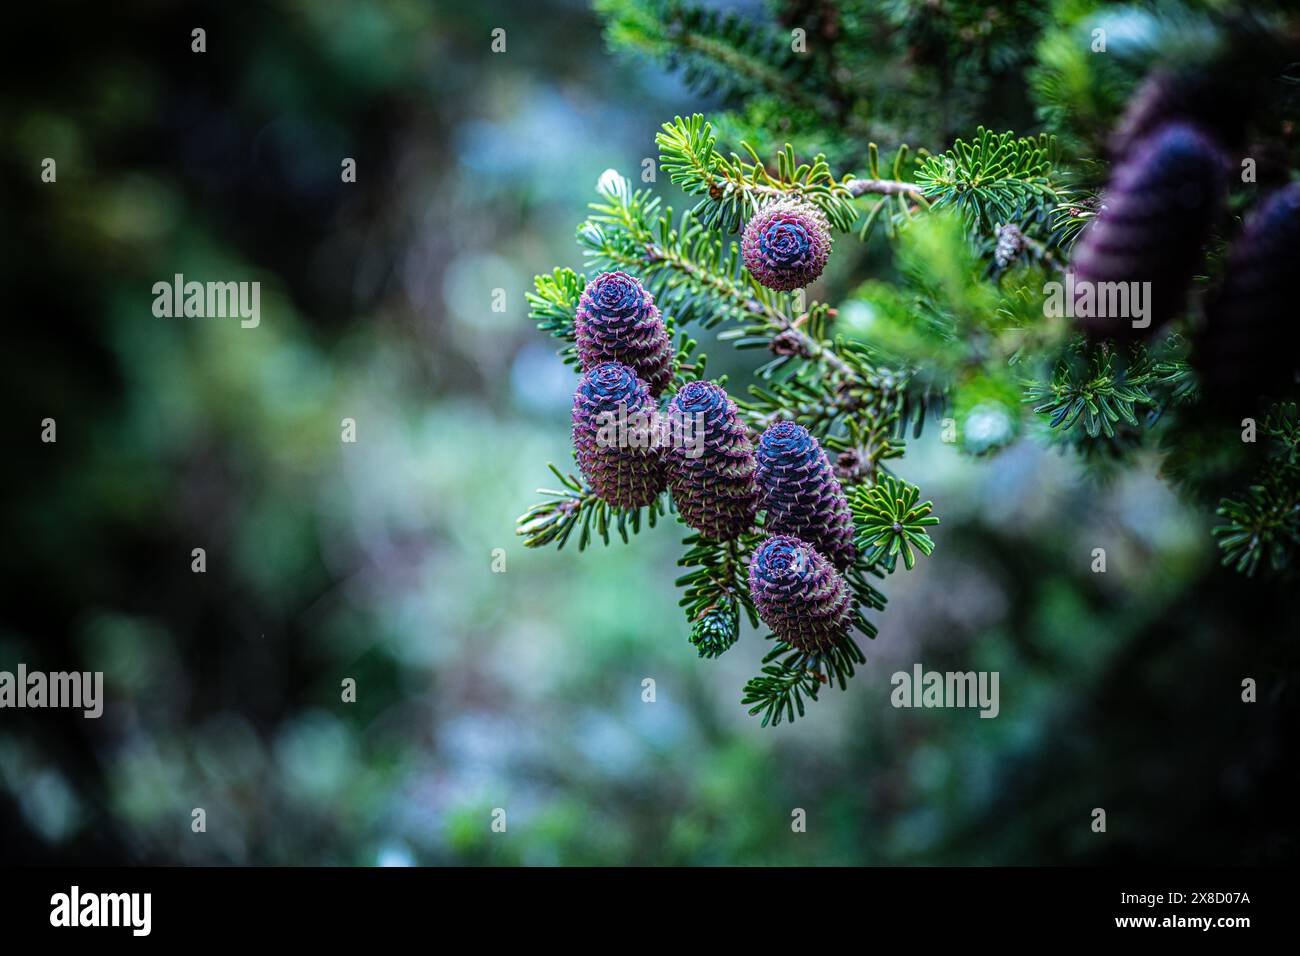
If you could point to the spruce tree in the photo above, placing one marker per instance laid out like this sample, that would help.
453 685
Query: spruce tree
1040 210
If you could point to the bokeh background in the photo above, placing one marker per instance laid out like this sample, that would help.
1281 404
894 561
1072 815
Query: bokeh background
477 689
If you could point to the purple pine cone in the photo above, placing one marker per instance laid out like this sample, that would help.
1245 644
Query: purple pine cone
786 245
1249 344
617 321
711 462
615 433
1200 97
801 494
798 594
1159 208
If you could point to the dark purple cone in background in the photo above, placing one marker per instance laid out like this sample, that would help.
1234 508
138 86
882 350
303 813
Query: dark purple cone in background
617 321
1158 211
786 244
1198 97
798 594
1249 343
615 433
710 462
801 494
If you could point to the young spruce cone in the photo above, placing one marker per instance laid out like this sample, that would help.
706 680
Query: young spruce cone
716 629
710 462
786 245
1248 346
1159 208
798 594
801 494
617 321
615 433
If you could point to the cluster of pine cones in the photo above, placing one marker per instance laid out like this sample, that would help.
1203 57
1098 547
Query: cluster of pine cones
1174 150
697 446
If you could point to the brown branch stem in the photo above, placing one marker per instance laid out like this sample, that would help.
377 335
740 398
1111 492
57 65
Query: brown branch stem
882 187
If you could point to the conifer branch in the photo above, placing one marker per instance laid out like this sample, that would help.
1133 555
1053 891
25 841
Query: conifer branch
1089 386
994 178
691 270
789 676
734 188
552 307
891 520
716 591
958 327
696 273
576 507
1261 526
719 52
865 447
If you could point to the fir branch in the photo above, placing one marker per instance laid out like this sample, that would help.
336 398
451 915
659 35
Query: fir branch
890 520
801 399
1089 386
689 268
1282 425
554 305
695 273
899 198
995 178
699 276
718 52
576 507
882 187
1262 527
698 280
715 591
778 693
734 189
861 396
1170 381
876 183
865 447
803 338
